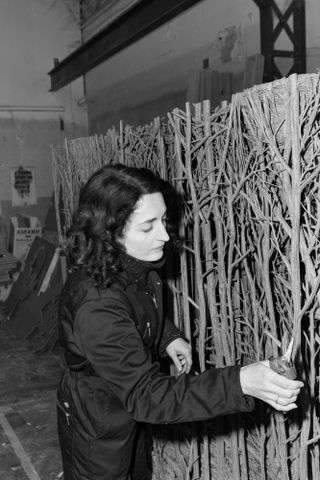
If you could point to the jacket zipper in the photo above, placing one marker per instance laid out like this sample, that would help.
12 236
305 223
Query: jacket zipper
64 410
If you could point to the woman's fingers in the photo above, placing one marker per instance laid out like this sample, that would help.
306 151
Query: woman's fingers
185 362
180 351
284 408
288 394
283 404
284 400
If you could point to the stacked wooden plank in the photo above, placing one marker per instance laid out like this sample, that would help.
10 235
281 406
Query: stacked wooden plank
208 84
8 263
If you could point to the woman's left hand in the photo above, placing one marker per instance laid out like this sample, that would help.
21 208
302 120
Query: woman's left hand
180 352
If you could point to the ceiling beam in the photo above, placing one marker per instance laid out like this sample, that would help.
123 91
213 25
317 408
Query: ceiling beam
134 24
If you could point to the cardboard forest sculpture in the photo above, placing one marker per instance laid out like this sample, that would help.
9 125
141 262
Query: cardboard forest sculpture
249 274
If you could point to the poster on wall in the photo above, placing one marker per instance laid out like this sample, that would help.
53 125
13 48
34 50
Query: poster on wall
23 188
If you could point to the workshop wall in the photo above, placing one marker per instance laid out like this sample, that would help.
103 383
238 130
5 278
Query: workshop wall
150 77
32 119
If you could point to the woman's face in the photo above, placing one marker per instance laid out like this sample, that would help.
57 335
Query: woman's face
145 233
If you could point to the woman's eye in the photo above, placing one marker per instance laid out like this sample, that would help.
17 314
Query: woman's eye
146 230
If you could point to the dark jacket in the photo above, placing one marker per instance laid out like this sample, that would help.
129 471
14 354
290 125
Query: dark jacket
112 339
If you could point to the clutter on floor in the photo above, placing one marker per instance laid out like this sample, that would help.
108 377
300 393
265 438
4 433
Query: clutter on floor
29 446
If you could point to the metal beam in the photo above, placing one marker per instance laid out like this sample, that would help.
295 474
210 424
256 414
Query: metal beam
137 22
260 3
270 13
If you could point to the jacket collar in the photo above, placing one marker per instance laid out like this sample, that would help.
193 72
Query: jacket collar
138 270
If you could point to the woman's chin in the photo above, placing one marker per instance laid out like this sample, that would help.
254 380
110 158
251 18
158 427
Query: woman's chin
155 256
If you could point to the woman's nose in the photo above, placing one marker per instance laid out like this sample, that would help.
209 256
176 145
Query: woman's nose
163 234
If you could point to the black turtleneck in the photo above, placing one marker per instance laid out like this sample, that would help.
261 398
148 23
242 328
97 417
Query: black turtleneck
138 271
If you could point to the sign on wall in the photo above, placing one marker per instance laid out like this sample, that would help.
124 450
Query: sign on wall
23 188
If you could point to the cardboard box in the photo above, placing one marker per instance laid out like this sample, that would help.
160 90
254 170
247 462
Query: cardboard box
23 231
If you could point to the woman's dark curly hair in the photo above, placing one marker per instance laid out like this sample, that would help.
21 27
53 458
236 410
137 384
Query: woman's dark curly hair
105 204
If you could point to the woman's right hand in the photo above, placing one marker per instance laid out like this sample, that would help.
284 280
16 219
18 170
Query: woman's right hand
260 381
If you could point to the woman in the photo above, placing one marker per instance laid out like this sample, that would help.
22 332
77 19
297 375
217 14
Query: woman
113 333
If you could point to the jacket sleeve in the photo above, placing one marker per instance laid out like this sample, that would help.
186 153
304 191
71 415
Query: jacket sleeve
169 334
110 341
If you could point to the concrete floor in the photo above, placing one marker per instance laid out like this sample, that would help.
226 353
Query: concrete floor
28 436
